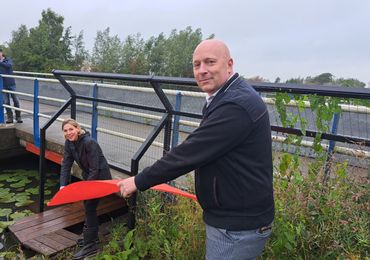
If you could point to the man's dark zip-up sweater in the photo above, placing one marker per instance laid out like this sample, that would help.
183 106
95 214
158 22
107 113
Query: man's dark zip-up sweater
89 157
6 67
232 157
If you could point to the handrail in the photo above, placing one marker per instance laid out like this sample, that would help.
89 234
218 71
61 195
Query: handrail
169 112
42 168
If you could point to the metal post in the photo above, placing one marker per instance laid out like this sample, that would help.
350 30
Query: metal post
42 170
94 117
36 123
1 101
131 202
329 154
73 107
167 104
176 120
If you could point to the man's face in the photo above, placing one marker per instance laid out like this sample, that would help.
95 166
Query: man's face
212 66
1 55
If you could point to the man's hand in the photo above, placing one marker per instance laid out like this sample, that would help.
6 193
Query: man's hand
127 187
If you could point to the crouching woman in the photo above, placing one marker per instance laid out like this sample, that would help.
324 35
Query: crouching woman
86 152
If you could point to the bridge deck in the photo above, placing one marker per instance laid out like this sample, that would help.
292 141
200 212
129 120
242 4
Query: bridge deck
45 232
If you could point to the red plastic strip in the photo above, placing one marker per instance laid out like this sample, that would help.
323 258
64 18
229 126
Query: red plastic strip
85 190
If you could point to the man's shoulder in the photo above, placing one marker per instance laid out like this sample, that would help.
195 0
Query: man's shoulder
244 95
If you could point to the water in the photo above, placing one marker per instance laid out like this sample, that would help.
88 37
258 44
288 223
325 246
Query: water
19 184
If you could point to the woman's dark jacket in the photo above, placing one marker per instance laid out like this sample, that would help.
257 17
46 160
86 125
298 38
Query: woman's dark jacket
89 157
231 154
6 67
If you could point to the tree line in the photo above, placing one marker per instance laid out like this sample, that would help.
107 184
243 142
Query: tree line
50 45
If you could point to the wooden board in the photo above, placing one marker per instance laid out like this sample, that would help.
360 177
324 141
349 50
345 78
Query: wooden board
44 232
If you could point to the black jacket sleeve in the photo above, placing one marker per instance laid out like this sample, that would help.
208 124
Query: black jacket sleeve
67 162
220 132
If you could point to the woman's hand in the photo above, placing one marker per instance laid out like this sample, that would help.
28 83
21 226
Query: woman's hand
127 187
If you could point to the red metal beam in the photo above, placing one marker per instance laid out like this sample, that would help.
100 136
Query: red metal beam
52 156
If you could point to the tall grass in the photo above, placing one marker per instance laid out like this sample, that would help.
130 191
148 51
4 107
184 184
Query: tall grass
314 220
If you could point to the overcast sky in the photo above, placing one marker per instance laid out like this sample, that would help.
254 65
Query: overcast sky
268 38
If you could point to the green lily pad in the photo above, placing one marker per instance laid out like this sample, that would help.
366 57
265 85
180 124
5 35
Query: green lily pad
4 177
5 212
51 182
23 194
15 178
32 173
21 183
4 191
5 224
22 197
33 191
23 203
7 198
21 214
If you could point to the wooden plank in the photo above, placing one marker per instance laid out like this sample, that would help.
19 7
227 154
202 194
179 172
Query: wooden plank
48 227
39 247
52 214
61 239
76 216
63 221
53 242
67 234
46 216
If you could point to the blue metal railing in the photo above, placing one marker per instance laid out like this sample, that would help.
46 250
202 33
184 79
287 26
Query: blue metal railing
1 100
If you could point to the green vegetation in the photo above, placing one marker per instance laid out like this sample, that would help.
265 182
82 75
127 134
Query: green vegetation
314 220
165 230
16 193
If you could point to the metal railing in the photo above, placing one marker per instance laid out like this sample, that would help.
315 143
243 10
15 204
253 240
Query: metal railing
170 120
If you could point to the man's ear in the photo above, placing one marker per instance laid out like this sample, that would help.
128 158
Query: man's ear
230 64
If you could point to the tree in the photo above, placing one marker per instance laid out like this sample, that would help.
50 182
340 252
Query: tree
350 82
19 48
298 80
156 47
134 60
80 54
107 52
257 79
321 79
44 47
179 49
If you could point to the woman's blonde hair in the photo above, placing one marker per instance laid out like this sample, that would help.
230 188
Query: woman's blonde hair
73 123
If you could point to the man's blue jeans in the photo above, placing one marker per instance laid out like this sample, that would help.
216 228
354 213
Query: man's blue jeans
236 245
6 97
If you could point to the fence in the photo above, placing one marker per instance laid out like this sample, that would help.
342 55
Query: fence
154 103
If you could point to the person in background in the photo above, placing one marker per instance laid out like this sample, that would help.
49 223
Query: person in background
231 154
86 152
6 67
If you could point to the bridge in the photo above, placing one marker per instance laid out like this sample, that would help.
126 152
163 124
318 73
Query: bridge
136 119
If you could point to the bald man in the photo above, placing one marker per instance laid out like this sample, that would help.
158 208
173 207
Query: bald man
232 157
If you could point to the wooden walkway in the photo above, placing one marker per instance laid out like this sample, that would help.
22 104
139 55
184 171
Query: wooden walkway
45 232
